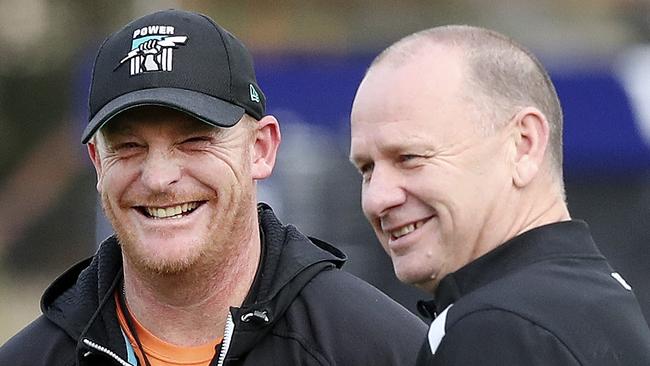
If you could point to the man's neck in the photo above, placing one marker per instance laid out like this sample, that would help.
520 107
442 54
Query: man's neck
539 204
190 308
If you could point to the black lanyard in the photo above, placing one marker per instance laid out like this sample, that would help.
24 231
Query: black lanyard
129 323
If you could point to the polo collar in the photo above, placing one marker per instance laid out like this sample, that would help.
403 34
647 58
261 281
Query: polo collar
565 239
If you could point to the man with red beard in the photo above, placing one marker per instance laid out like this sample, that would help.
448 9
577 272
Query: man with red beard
198 273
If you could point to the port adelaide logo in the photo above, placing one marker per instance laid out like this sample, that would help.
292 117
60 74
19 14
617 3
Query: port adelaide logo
152 49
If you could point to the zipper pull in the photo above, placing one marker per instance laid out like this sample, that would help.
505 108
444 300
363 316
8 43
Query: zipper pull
257 316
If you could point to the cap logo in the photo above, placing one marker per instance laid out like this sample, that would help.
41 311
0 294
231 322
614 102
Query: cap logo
152 49
254 96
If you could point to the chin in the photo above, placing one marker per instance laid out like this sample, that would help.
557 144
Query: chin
167 267
416 275
163 256
407 275
168 264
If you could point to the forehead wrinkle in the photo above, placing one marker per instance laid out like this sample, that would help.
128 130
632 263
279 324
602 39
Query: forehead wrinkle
402 132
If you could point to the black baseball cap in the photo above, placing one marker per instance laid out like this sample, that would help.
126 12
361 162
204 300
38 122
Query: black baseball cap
176 59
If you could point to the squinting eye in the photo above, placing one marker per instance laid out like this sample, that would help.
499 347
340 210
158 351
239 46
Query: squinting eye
127 145
197 141
125 149
407 157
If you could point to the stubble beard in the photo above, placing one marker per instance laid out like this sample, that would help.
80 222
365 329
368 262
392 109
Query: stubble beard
214 247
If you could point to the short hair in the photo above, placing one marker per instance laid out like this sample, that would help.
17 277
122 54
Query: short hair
503 76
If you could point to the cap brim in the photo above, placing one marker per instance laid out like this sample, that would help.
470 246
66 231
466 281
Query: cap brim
208 109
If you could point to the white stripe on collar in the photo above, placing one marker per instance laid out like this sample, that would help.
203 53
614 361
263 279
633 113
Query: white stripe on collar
437 330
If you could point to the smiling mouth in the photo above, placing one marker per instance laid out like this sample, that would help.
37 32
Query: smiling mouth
170 212
406 229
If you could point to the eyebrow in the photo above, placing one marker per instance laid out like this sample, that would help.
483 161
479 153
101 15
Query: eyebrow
395 147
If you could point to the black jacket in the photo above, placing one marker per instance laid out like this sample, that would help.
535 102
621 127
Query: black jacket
546 297
301 310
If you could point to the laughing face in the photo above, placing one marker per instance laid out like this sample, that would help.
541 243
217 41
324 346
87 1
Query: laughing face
432 180
176 190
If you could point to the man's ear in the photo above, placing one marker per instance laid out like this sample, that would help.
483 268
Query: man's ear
531 131
265 147
93 153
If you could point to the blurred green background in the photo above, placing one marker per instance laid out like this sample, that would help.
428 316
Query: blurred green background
48 213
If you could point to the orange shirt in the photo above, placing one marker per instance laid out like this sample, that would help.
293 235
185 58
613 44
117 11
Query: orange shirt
161 353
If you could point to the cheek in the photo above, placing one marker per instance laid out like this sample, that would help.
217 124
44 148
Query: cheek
431 186
214 174
113 182
222 167
446 185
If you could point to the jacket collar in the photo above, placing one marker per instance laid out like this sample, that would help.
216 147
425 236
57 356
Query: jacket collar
73 299
561 239
289 262
286 253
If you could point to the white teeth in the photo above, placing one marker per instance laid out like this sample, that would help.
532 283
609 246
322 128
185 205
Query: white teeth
173 211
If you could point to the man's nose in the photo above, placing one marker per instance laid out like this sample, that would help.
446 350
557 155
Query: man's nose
384 191
160 171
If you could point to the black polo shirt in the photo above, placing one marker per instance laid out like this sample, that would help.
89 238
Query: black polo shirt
545 297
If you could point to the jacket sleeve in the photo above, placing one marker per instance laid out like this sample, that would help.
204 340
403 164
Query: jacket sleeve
359 325
498 337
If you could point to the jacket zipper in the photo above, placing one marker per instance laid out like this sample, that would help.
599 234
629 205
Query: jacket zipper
227 337
106 351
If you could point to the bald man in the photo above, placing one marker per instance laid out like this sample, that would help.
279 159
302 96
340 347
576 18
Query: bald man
457 133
